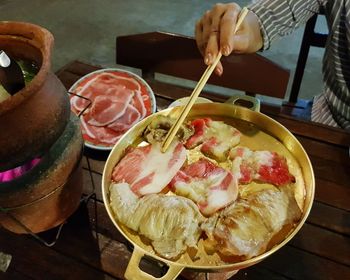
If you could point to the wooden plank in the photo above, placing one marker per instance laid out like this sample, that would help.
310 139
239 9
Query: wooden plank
313 130
78 67
298 264
257 272
327 151
329 170
40 262
68 79
332 218
13 274
324 243
333 193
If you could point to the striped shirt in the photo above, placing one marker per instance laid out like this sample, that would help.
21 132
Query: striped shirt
279 18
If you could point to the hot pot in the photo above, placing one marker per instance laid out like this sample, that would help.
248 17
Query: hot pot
33 118
215 111
36 123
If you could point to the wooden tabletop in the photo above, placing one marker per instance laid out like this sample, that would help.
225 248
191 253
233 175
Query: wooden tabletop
90 247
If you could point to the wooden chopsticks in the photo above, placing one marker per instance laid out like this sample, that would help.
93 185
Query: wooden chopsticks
197 90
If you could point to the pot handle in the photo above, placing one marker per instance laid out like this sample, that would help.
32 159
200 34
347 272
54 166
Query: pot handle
253 103
133 271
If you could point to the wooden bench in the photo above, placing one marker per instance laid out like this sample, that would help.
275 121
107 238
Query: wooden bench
177 56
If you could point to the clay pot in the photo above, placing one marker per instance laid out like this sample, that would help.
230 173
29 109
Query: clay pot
32 119
49 193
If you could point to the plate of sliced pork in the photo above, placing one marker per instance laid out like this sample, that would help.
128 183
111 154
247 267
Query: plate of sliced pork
233 187
109 102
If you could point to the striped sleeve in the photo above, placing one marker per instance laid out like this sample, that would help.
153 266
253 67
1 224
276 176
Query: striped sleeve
279 18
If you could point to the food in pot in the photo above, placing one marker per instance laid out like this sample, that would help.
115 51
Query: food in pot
29 70
243 196
210 186
246 227
157 130
147 170
114 102
216 138
264 166
170 222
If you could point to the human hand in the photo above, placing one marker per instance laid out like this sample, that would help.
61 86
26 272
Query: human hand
214 32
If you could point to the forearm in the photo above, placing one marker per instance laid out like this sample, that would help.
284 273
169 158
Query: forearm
278 18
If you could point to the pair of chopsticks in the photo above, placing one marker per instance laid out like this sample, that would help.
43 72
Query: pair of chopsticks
197 90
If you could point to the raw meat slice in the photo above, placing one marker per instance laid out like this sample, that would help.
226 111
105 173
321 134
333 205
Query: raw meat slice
147 170
207 184
117 103
130 117
78 103
216 137
129 83
264 166
138 103
106 110
99 133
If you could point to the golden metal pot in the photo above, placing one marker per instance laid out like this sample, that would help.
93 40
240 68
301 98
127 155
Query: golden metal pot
256 121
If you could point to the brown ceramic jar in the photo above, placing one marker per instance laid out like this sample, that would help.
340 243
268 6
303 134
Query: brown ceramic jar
32 119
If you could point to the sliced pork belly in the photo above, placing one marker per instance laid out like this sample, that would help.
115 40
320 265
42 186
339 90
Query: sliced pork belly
103 84
139 104
263 166
130 117
99 134
216 137
246 227
106 110
147 170
78 103
117 103
207 184
172 223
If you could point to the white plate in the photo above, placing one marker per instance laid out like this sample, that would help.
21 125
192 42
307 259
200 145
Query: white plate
141 81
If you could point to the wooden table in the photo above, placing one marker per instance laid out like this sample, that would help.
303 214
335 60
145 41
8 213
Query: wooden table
90 247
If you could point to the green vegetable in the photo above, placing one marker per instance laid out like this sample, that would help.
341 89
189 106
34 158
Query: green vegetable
29 70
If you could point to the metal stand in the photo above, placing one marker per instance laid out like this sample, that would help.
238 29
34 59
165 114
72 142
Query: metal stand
58 228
